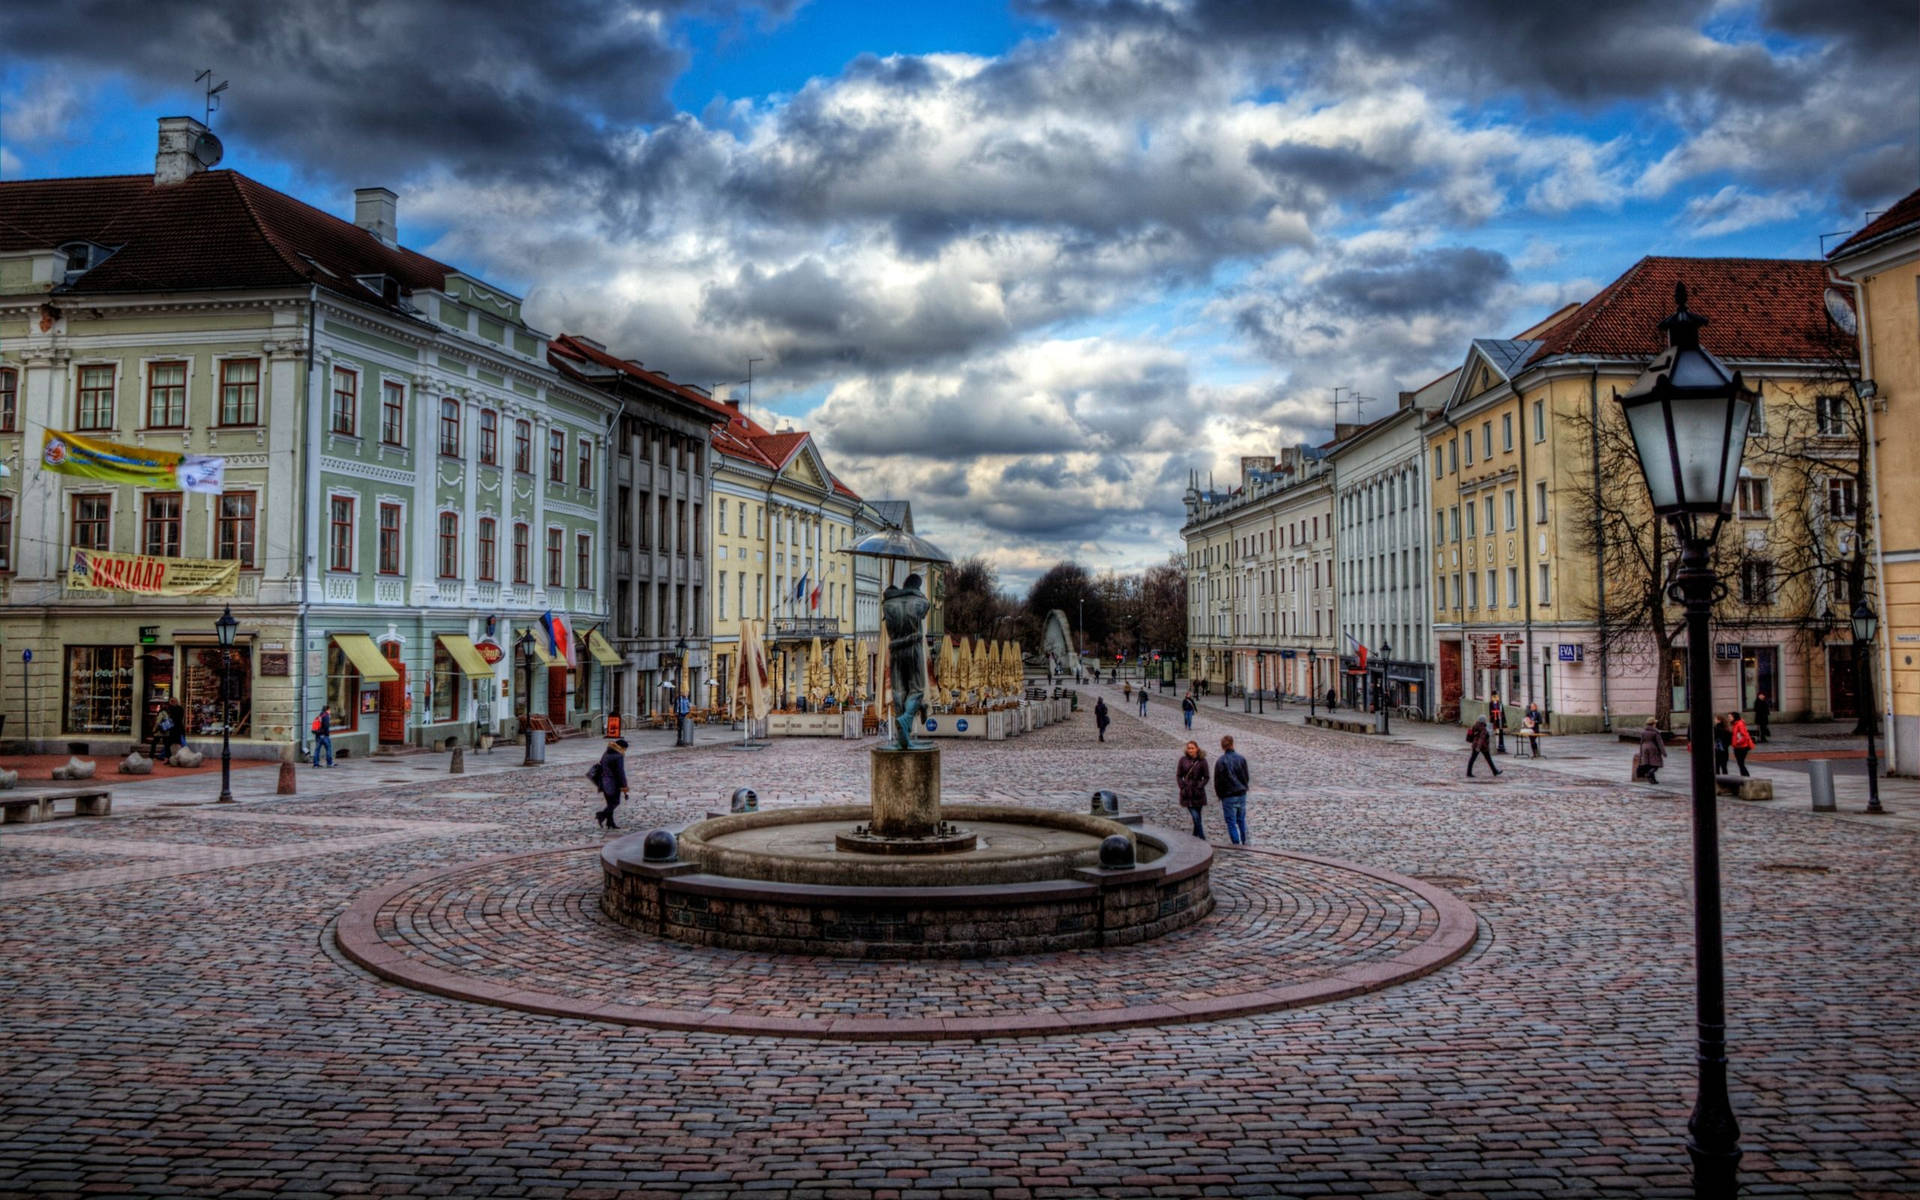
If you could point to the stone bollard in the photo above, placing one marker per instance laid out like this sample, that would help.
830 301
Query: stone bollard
285 786
459 764
1820 785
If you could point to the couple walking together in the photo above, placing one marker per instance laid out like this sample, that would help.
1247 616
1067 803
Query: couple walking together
1230 782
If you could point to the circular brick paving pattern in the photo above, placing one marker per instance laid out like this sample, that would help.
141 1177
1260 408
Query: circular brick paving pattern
526 932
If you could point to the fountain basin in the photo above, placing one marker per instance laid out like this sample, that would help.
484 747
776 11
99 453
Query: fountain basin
776 882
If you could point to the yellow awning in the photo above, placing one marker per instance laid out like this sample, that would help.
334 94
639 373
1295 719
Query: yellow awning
466 655
539 647
601 651
366 657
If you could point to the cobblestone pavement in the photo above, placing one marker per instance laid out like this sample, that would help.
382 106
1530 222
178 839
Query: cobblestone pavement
178 1023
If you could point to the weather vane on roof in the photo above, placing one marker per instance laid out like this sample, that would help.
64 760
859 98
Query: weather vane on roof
213 93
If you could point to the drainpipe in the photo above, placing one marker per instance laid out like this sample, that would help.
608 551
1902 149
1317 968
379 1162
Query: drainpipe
311 470
1884 683
1526 532
1599 556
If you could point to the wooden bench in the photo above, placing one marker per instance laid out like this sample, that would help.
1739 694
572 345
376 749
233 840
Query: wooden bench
28 809
1744 786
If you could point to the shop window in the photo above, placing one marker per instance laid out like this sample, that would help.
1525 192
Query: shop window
448 683
200 689
240 391
343 689
99 689
167 395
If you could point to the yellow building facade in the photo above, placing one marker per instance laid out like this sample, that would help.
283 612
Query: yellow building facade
1881 263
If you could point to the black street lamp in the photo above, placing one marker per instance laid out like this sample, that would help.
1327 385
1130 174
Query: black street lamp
1865 625
1386 699
1688 416
224 629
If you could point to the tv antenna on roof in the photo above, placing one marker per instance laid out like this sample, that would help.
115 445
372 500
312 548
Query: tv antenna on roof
213 93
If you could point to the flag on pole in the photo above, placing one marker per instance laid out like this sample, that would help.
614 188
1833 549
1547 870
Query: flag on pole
559 637
813 598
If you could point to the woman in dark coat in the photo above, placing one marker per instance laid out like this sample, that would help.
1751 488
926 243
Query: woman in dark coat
612 780
1192 777
1652 754
1100 717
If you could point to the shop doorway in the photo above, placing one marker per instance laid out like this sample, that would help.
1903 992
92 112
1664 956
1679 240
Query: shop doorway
1449 681
557 694
1843 682
1760 672
393 699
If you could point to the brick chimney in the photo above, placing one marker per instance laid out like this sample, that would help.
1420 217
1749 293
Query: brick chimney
375 210
183 140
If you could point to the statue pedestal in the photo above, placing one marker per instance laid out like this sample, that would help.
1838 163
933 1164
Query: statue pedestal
906 809
906 792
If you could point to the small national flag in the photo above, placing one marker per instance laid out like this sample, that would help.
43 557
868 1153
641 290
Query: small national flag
559 637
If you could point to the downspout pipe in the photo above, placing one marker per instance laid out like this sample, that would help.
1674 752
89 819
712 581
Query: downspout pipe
1526 532
310 468
1883 684
1599 552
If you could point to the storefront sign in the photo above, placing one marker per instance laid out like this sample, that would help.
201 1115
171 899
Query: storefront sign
275 664
1486 651
490 651
99 571
1573 654
92 458
1726 651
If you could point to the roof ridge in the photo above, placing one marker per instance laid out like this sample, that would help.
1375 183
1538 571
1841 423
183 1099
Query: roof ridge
234 179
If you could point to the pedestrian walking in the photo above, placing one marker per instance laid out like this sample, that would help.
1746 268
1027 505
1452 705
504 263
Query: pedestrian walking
1497 718
1126 690
1479 740
323 734
1762 711
1100 717
1187 707
1230 783
610 776
1740 740
1143 700
1191 777
1652 754
1722 745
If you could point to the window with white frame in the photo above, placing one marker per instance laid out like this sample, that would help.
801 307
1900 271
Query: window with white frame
1540 502
1512 514
166 395
1539 420
393 413
1756 581
1543 584
240 391
1754 498
1842 498
346 402
340 533
1831 416
95 410
1506 431
1513 587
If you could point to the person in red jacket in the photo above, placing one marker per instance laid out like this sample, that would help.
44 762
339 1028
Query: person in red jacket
1742 741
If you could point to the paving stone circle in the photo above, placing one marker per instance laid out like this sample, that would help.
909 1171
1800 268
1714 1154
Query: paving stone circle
525 931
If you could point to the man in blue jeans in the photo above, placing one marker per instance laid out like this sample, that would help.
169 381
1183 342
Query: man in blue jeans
323 734
1230 782
1186 709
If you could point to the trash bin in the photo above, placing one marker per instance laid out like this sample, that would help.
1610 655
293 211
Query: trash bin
686 731
536 746
1820 782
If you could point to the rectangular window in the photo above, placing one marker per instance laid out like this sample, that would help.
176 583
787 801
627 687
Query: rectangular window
583 561
720 518
6 533
556 456
1453 454
160 525
9 399
720 597
1506 431
450 428
233 528
1473 590
522 552
1489 510
1512 514
1757 423
489 437
1486 439
554 565
240 391
1439 462
487 546
99 689
92 516
743 520
1513 587
1493 588
1754 497
340 533
1543 591
623 523
1539 420
449 545
1467 458
583 477
1456 590
96 398
346 402
1842 498
393 413
523 447
390 542
1832 416
1540 502
1439 526
1468 509
448 684
1756 581
167 395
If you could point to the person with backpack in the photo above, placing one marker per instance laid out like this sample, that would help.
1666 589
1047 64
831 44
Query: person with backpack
323 734
1187 709
1230 783
610 776
1190 776
1740 740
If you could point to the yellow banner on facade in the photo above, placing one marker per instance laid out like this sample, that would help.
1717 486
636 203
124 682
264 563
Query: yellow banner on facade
93 458
143 575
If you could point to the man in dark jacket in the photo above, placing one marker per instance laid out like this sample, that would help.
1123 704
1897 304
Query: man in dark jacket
1478 740
1187 707
612 780
1230 783
1101 718
1762 709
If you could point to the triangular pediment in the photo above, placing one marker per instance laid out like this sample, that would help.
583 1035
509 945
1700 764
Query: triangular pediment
807 468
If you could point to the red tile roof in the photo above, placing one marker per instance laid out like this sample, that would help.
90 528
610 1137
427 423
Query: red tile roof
568 348
214 231
1758 308
844 490
1897 219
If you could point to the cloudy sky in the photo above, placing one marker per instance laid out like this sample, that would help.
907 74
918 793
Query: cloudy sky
1028 263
